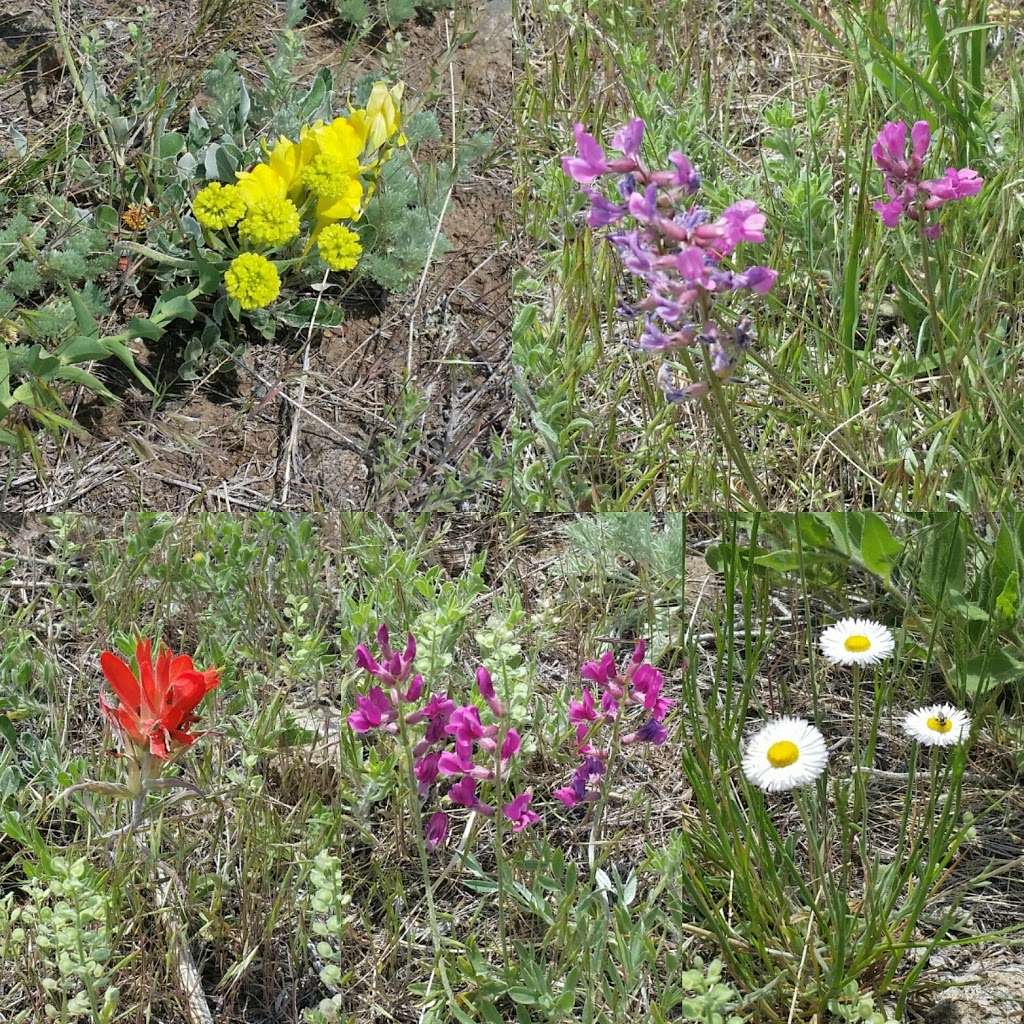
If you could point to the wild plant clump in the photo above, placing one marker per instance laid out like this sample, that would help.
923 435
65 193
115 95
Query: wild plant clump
59 924
365 15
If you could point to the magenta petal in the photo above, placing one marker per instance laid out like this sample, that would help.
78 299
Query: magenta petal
484 683
437 830
511 745
920 138
567 796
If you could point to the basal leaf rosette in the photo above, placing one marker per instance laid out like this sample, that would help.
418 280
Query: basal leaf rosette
307 194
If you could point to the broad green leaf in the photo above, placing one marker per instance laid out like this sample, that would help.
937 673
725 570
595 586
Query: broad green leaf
171 144
992 669
879 549
1008 600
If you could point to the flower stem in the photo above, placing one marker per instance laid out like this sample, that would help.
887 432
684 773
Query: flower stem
727 432
428 888
933 312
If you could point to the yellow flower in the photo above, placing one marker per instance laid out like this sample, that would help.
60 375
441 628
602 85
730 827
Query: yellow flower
381 119
339 247
336 161
262 182
288 160
341 207
218 206
270 221
252 280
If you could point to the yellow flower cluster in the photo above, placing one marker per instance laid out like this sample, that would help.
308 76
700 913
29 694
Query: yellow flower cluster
219 206
325 176
339 247
252 280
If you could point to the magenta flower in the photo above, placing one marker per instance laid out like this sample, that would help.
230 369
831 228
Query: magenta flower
426 770
637 685
464 793
374 711
583 710
652 731
437 830
672 247
590 163
485 685
909 196
955 185
393 667
517 811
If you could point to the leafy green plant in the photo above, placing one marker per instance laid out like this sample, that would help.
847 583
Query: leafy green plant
365 15
59 926
53 256
937 570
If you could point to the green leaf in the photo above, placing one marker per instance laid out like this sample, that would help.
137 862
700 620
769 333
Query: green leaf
879 549
7 731
82 349
105 218
171 144
139 328
780 561
1008 600
85 320
174 305
992 669
943 559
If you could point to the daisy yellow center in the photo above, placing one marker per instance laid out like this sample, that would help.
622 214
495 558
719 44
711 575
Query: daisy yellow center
783 754
857 643
940 724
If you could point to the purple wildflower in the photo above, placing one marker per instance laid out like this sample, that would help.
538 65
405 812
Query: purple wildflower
517 811
437 830
373 711
909 196
672 247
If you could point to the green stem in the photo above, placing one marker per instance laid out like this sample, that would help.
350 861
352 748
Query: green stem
416 817
933 311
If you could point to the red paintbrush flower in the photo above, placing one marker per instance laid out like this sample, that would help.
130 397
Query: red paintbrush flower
156 709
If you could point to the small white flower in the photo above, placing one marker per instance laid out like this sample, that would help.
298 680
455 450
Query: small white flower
856 642
786 753
940 725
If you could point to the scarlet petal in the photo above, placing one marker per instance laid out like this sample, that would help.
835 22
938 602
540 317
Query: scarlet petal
185 695
121 678
144 656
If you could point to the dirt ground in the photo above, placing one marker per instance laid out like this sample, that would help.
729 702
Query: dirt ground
287 428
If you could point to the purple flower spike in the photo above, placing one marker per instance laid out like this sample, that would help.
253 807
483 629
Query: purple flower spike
909 196
591 162
437 830
674 249
517 811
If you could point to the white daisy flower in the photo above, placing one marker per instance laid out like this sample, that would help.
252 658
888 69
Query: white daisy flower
856 642
786 753
940 725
